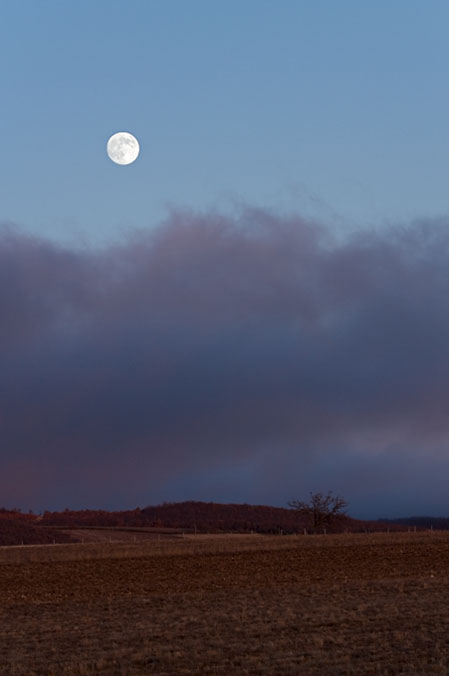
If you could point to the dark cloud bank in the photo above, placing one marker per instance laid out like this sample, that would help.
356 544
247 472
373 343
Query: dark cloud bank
249 359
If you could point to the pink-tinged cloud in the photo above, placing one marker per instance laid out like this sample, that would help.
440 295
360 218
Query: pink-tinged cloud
220 357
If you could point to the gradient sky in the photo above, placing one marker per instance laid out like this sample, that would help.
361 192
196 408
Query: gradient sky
257 307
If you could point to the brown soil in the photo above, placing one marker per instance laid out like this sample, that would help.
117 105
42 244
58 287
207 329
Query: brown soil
321 605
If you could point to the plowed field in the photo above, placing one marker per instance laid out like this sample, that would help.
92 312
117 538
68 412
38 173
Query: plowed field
321 605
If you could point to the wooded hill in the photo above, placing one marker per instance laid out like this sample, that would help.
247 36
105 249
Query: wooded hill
17 527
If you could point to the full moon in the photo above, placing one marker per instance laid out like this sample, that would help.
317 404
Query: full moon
123 148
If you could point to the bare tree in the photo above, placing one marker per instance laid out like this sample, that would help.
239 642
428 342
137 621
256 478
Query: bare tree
320 508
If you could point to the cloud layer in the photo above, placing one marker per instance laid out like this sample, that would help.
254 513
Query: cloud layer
228 358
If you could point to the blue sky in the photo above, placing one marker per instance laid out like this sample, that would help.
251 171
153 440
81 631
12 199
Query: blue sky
337 110
193 326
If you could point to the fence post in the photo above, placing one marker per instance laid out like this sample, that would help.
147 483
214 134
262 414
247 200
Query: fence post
305 532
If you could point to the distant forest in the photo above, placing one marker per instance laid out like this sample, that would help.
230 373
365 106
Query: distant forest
18 527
